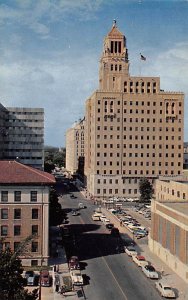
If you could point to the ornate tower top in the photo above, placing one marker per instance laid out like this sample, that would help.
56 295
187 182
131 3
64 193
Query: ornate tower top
114 63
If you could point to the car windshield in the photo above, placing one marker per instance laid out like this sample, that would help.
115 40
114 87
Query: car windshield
150 268
167 288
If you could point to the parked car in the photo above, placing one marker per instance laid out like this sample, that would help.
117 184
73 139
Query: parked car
130 250
81 205
165 289
140 260
45 278
76 277
150 272
29 273
74 263
109 226
33 280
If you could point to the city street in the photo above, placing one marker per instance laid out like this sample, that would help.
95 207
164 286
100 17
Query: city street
108 274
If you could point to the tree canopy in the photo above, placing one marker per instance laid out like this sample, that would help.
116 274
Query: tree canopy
11 281
146 190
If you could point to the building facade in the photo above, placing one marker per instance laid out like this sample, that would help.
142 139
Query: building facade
185 156
75 148
22 135
132 127
24 208
168 237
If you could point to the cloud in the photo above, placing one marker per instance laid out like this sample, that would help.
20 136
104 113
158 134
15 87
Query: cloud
37 15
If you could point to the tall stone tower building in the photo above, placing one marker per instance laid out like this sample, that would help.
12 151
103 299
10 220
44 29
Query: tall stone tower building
132 127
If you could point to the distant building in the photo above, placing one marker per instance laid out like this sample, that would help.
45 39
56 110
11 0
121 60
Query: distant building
185 156
75 148
133 129
24 208
22 135
168 237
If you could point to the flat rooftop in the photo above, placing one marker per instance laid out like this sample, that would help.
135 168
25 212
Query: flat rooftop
179 207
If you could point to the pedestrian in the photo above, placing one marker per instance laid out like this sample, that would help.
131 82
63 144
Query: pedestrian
121 223
162 271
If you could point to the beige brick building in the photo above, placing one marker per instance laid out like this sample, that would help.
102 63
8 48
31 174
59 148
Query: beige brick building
168 237
132 127
24 210
75 147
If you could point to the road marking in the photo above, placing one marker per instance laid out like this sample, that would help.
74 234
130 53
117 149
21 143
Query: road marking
112 274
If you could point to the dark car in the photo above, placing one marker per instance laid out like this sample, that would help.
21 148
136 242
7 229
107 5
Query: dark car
73 196
115 232
109 226
74 263
128 242
29 273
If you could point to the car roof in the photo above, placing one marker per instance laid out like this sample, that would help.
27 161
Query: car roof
140 257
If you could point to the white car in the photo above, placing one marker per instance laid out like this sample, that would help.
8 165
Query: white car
150 272
165 289
76 277
140 260
130 250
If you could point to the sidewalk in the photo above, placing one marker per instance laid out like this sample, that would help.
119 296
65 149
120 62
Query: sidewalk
62 268
172 278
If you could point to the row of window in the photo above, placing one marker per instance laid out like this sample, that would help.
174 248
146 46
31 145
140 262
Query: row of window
141 163
136 111
34 246
143 103
139 172
131 154
18 196
136 146
116 181
117 191
140 137
111 118
17 230
131 120
18 213
174 193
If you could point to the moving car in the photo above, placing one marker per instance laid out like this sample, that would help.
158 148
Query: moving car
45 279
75 212
150 272
96 217
130 250
109 226
165 289
140 260
73 196
76 277
81 205
74 263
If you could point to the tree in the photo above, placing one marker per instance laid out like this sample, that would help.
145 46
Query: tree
146 190
11 281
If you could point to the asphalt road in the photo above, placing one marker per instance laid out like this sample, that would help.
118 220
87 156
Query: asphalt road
108 274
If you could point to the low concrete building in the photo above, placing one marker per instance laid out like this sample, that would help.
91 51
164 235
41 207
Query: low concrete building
24 205
168 237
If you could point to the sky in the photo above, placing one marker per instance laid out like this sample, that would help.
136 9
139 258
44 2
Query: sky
50 51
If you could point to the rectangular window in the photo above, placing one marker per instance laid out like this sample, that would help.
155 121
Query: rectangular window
34 247
34 230
16 245
4 230
17 196
35 213
4 196
17 230
33 196
17 213
4 213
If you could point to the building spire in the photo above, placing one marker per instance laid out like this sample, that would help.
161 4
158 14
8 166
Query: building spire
114 23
